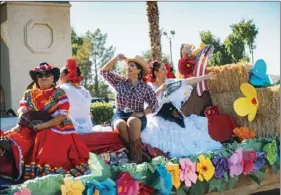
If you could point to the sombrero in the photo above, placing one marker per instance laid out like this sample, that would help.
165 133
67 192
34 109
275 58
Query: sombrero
43 68
140 61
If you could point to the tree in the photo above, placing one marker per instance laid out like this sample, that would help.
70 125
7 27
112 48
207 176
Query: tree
104 90
247 31
154 31
220 55
76 42
147 55
100 54
235 47
81 49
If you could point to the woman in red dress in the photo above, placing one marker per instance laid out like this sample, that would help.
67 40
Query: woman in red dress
50 147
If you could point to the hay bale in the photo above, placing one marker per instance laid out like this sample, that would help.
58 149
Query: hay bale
269 100
230 77
264 125
267 121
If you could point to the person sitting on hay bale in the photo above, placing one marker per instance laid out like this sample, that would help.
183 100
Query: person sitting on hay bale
44 141
132 92
167 128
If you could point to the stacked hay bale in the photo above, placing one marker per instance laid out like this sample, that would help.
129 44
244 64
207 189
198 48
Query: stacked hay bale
226 89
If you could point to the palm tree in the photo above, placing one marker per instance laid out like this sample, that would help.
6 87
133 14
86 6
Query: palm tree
154 31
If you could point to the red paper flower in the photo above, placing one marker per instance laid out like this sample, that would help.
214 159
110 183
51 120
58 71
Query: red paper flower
249 158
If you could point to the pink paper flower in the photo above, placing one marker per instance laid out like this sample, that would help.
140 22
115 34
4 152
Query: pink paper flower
188 174
235 163
24 191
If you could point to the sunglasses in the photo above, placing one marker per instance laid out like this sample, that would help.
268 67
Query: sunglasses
40 76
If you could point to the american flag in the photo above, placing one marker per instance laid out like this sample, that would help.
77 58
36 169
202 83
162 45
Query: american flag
200 67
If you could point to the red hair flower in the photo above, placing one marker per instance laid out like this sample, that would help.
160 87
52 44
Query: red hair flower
72 71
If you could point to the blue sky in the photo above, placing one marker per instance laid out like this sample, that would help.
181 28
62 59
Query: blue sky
127 26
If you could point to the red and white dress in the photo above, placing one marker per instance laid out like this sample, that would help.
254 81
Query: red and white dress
57 150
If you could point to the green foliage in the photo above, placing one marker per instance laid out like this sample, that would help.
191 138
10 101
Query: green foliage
102 112
232 50
100 54
246 31
147 55
220 55
89 50
235 47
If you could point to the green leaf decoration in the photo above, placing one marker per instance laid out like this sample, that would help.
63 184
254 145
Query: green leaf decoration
225 177
276 167
257 176
181 191
213 183
47 185
222 185
232 182
195 189
252 144
100 170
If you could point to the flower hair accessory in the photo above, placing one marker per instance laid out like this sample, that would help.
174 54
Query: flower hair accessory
43 67
72 71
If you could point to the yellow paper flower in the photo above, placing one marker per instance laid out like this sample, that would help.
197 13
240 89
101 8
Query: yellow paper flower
72 187
205 168
247 105
174 170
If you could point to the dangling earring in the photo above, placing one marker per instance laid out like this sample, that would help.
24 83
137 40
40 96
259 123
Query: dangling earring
139 76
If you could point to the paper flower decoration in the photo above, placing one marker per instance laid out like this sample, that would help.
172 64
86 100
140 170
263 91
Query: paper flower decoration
72 187
244 133
24 191
126 185
106 187
260 161
247 105
221 166
174 170
235 163
249 157
205 168
188 174
165 179
271 151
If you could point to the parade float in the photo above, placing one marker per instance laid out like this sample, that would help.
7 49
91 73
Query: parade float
248 162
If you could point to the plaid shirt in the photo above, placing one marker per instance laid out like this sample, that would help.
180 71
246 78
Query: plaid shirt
131 98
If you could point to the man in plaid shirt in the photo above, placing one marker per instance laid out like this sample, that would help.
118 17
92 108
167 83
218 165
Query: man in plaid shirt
132 92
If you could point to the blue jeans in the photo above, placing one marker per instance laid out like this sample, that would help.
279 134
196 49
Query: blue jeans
125 116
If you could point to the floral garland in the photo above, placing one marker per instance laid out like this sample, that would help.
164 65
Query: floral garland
193 174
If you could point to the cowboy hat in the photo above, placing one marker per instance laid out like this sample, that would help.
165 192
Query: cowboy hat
137 59
42 68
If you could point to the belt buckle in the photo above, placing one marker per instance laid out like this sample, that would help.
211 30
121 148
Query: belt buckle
127 110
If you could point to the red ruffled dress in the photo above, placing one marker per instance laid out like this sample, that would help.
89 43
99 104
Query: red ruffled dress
56 150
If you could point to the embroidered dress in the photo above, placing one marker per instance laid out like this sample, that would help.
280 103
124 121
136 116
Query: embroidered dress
80 103
169 136
58 149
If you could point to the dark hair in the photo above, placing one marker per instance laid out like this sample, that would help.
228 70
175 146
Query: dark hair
140 75
153 66
12 112
78 73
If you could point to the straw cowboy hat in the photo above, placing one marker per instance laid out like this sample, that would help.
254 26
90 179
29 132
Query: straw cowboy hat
43 68
140 61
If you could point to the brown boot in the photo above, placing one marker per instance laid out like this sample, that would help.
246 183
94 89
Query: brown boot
136 151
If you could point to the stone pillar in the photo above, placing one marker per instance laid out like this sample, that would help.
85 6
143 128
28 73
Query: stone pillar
31 32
